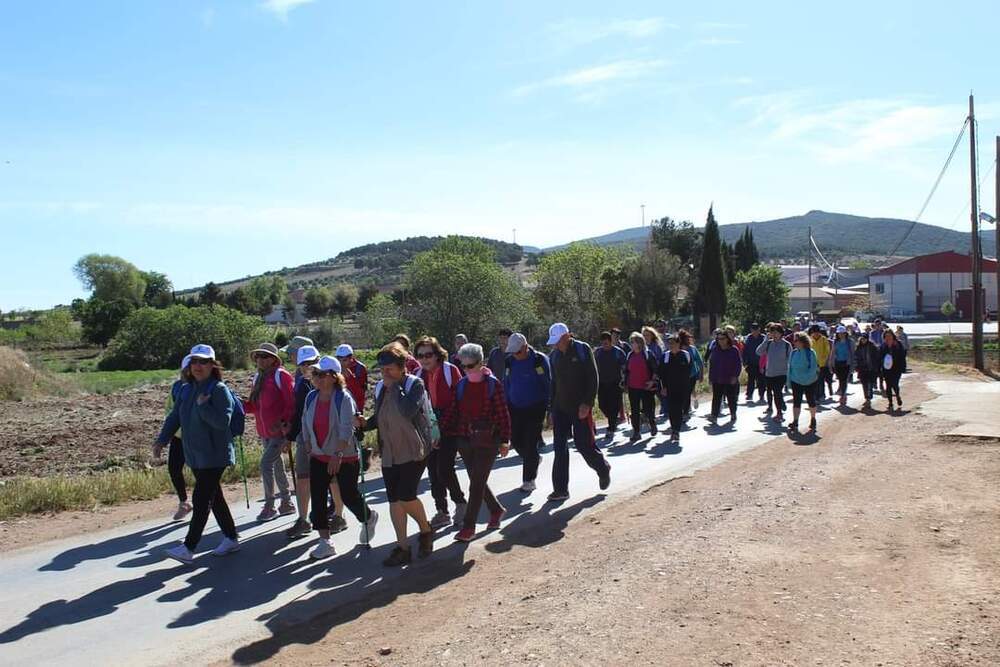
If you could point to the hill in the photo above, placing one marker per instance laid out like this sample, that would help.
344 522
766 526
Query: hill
837 235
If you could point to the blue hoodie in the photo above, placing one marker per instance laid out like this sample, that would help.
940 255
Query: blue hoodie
528 382
207 441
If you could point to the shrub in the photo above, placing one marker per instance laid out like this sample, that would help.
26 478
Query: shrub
17 377
151 339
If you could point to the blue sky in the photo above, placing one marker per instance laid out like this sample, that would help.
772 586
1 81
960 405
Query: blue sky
211 140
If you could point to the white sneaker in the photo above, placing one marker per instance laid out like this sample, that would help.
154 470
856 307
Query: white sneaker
440 520
226 547
181 554
368 528
183 509
323 550
528 487
459 515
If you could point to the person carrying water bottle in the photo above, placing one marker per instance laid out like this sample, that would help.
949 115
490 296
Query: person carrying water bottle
203 410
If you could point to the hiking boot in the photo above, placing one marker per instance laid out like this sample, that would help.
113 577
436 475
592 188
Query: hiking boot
812 425
793 427
635 436
465 535
866 405
300 528
285 508
495 518
183 509
267 514
441 519
323 549
899 402
226 546
181 554
652 427
557 496
338 524
425 544
604 479
368 528
459 514
528 486
398 557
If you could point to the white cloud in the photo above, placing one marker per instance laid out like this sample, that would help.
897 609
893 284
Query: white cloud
281 8
595 76
585 31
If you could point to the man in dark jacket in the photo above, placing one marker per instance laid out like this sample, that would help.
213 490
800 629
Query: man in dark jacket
610 371
751 361
527 383
496 361
574 390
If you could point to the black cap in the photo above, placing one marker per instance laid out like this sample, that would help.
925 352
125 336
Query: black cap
754 326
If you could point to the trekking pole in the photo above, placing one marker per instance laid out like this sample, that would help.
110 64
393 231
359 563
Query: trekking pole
243 467
359 444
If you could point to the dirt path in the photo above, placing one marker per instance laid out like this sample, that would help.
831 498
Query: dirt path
878 545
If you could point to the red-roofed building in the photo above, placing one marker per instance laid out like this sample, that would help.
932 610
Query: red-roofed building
920 285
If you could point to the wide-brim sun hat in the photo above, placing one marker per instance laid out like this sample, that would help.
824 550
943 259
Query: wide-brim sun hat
266 348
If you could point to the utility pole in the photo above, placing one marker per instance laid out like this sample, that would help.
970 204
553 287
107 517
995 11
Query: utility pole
996 249
809 254
642 207
977 268
515 235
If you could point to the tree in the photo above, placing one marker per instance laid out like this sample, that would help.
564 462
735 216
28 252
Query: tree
678 238
366 292
318 302
381 320
458 286
239 300
288 308
345 299
101 319
110 278
745 251
264 292
710 298
211 294
571 286
159 290
728 260
645 287
758 295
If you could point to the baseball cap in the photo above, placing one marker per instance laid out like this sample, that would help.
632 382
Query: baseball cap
296 344
306 353
841 329
327 364
755 325
516 343
201 351
344 350
186 362
556 332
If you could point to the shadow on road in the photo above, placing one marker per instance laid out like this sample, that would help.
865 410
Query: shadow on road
541 528
70 558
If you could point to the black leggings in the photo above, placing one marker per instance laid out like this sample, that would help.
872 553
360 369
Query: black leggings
175 466
207 496
892 386
525 433
319 486
728 391
675 409
609 399
641 403
867 381
800 390
843 371
776 385
441 472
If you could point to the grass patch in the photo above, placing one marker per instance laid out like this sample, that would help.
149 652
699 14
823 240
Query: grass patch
35 495
109 382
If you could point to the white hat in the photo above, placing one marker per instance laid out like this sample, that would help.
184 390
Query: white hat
556 332
186 361
306 353
327 364
202 351
516 343
841 329
344 350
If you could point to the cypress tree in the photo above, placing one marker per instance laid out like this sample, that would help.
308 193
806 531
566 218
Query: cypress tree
711 293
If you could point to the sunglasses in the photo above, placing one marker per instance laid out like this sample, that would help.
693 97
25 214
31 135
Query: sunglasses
201 362
427 355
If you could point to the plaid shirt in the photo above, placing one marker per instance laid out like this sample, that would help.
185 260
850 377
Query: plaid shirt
458 417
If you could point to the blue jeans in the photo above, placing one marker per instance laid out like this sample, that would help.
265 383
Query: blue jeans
583 439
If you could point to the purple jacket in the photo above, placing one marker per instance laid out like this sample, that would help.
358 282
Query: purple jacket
724 366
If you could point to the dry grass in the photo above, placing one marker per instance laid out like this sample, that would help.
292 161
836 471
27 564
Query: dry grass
18 378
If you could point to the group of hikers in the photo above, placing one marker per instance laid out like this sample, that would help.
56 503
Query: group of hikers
430 407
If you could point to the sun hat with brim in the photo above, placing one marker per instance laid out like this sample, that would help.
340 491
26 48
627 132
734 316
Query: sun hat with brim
305 354
201 351
556 332
344 350
266 348
327 364
296 344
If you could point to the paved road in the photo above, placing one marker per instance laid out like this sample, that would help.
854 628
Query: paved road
937 329
111 598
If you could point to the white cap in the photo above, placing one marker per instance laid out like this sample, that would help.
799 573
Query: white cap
556 332
345 350
306 353
202 351
186 362
327 364
516 343
841 329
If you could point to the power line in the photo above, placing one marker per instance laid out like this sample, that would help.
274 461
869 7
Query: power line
965 209
930 196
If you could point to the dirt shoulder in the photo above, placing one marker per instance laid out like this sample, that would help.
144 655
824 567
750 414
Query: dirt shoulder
876 545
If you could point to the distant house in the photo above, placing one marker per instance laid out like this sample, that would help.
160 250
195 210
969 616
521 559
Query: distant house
920 285
279 316
829 292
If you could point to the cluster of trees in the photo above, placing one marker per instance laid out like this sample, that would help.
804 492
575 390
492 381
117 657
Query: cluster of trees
257 297
340 300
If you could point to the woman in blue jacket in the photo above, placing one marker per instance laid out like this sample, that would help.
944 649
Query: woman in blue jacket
203 410
803 374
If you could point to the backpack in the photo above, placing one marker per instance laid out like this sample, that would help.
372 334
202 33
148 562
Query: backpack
338 398
490 387
431 430
237 421
277 376
581 352
539 364
446 368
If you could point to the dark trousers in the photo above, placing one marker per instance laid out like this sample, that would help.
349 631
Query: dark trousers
776 387
675 409
609 399
441 471
319 487
641 402
687 403
728 391
479 464
583 439
207 496
892 385
843 371
175 466
755 381
867 381
525 434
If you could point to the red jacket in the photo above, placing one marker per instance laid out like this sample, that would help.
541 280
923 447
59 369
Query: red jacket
458 418
276 404
357 383
442 393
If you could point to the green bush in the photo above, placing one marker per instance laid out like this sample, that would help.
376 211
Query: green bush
151 338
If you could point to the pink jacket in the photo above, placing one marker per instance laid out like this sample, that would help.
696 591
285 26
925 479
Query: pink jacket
275 405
